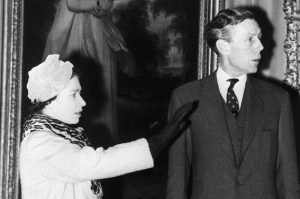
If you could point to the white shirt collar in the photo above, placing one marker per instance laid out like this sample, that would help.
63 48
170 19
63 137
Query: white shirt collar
223 84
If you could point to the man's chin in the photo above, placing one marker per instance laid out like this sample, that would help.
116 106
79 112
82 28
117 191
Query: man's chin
253 70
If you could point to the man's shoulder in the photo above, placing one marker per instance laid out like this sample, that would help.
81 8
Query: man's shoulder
268 88
193 90
189 86
196 85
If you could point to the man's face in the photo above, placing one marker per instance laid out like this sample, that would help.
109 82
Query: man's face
244 48
67 107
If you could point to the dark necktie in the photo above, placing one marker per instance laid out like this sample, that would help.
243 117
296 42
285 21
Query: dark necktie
232 101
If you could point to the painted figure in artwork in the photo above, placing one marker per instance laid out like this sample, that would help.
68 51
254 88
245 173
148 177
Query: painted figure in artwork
85 28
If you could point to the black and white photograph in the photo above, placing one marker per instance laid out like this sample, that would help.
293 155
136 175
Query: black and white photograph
150 99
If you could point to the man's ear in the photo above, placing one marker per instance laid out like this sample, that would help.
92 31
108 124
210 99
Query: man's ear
222 46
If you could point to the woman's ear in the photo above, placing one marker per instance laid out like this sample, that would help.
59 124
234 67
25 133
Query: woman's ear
222 46
50 109
51 105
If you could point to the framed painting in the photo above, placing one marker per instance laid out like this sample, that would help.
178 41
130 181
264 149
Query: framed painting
163 48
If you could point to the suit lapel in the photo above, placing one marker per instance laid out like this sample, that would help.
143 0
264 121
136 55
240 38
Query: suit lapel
212 105
254 113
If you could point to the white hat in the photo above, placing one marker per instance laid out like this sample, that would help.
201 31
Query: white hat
48 79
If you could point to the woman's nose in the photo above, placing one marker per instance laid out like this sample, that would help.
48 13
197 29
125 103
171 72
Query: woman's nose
260 46
82 102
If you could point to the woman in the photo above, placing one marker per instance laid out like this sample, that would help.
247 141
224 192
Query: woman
56 159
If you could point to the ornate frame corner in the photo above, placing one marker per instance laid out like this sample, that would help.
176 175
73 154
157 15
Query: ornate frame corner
291 45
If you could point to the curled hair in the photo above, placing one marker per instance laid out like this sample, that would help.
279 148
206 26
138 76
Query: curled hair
218 27
37 106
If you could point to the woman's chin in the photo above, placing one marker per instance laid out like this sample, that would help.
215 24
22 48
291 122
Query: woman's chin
72 121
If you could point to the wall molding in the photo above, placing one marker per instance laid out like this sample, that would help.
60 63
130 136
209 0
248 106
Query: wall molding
11 24
207 59
291 45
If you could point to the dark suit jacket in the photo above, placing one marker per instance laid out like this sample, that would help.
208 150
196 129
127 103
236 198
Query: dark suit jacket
202 163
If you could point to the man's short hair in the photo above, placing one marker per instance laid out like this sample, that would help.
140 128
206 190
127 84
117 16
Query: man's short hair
218 27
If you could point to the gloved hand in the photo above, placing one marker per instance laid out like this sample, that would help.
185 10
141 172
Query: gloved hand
176 124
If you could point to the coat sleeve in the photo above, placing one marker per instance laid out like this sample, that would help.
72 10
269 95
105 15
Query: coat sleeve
287 179
179 158
58 159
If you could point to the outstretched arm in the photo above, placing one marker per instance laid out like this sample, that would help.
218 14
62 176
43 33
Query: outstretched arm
56 158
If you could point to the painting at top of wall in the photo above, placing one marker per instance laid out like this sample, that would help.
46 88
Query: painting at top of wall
161 37
158 33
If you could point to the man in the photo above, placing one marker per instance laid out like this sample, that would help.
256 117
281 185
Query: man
241 141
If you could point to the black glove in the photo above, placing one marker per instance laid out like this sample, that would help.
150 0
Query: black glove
176 124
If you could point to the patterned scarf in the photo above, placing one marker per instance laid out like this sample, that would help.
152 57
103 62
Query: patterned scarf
37 122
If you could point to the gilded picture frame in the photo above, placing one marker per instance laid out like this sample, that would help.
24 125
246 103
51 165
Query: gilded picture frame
11 23
291 42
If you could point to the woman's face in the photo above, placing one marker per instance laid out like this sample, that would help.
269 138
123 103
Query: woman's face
67 107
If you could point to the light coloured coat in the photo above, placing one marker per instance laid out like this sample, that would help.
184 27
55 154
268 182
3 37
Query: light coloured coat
53 168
